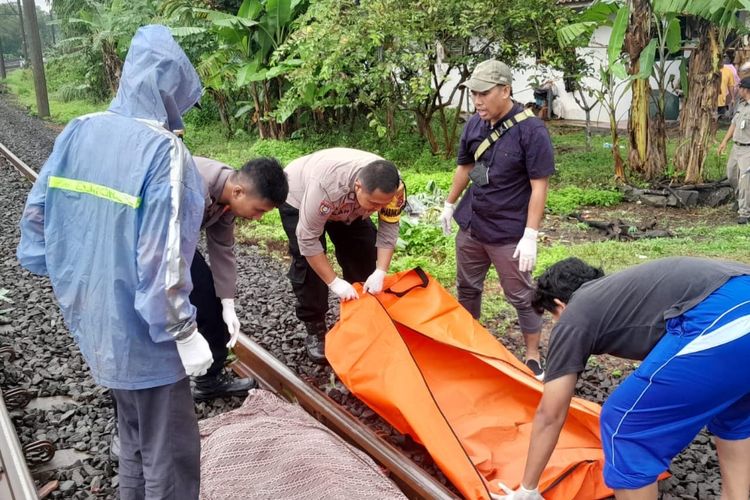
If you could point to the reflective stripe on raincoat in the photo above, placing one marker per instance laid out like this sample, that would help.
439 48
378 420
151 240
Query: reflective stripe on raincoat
114 219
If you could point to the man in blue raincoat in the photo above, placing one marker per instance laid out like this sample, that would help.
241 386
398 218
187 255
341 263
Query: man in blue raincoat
113 220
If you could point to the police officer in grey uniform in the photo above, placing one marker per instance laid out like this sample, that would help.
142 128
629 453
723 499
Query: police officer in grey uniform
248 193
738 166
334 192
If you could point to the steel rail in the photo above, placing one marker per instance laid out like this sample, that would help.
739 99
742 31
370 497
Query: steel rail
272 374
18 164
15 478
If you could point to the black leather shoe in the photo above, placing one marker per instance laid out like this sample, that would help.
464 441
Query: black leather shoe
221 385
315 342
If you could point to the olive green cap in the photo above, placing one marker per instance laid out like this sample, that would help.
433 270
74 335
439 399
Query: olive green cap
487 74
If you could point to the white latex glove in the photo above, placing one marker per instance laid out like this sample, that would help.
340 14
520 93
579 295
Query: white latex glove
343 289
229 315
445 217
374 283
195 354
520 494
526 250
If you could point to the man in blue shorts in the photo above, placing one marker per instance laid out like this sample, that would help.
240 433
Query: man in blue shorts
688 319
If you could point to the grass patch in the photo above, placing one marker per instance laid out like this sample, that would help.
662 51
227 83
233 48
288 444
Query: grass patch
575 165
21 84
722 242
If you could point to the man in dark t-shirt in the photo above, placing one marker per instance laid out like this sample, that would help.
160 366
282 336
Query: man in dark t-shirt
688 319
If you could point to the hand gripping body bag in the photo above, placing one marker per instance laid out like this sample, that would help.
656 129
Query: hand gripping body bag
418 358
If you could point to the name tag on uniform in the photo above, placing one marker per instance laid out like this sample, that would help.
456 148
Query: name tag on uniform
742 124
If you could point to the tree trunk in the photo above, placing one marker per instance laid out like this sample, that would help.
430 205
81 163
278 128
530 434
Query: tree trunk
454 125
584 105
112 66
656 161
52 26
638 36
425 130
619 166
262 132
390 120
3 74
698 117
37 62
24 44
221 103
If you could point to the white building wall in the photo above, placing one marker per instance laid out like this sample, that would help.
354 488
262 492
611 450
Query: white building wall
565 106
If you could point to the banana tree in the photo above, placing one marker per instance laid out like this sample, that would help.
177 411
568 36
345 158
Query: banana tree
609 94
714 21
245 57
106 32
668 42
620 73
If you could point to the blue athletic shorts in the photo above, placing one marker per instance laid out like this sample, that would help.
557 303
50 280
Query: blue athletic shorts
698 375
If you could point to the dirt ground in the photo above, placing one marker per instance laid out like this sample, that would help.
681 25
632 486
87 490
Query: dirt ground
567 230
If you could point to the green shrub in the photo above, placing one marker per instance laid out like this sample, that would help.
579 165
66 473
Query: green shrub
421 239
568 199
72 92
204 117
62 72
284 151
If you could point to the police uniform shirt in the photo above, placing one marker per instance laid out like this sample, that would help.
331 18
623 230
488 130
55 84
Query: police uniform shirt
218 222
321 187
741 121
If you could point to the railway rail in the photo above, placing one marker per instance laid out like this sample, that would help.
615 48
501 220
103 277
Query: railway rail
252 360
15 478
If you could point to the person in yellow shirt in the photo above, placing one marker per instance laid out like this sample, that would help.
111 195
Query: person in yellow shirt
727 90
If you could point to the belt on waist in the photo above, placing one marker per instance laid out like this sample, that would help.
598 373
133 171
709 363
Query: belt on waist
742 143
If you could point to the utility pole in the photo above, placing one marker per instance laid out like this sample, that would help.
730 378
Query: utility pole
51 25
37 64
3 74
23 33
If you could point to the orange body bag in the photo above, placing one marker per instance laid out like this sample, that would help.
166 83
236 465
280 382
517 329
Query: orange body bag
418 358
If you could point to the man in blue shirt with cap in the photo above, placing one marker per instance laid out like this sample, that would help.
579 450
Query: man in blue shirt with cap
113 220
507 154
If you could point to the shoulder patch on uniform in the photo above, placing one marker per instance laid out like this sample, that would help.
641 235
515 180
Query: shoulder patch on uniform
325 208
392 212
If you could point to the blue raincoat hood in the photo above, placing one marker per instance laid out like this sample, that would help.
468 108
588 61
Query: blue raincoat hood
158 81
114 219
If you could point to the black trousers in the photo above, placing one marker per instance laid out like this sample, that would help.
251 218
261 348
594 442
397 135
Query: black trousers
208 313
355 252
